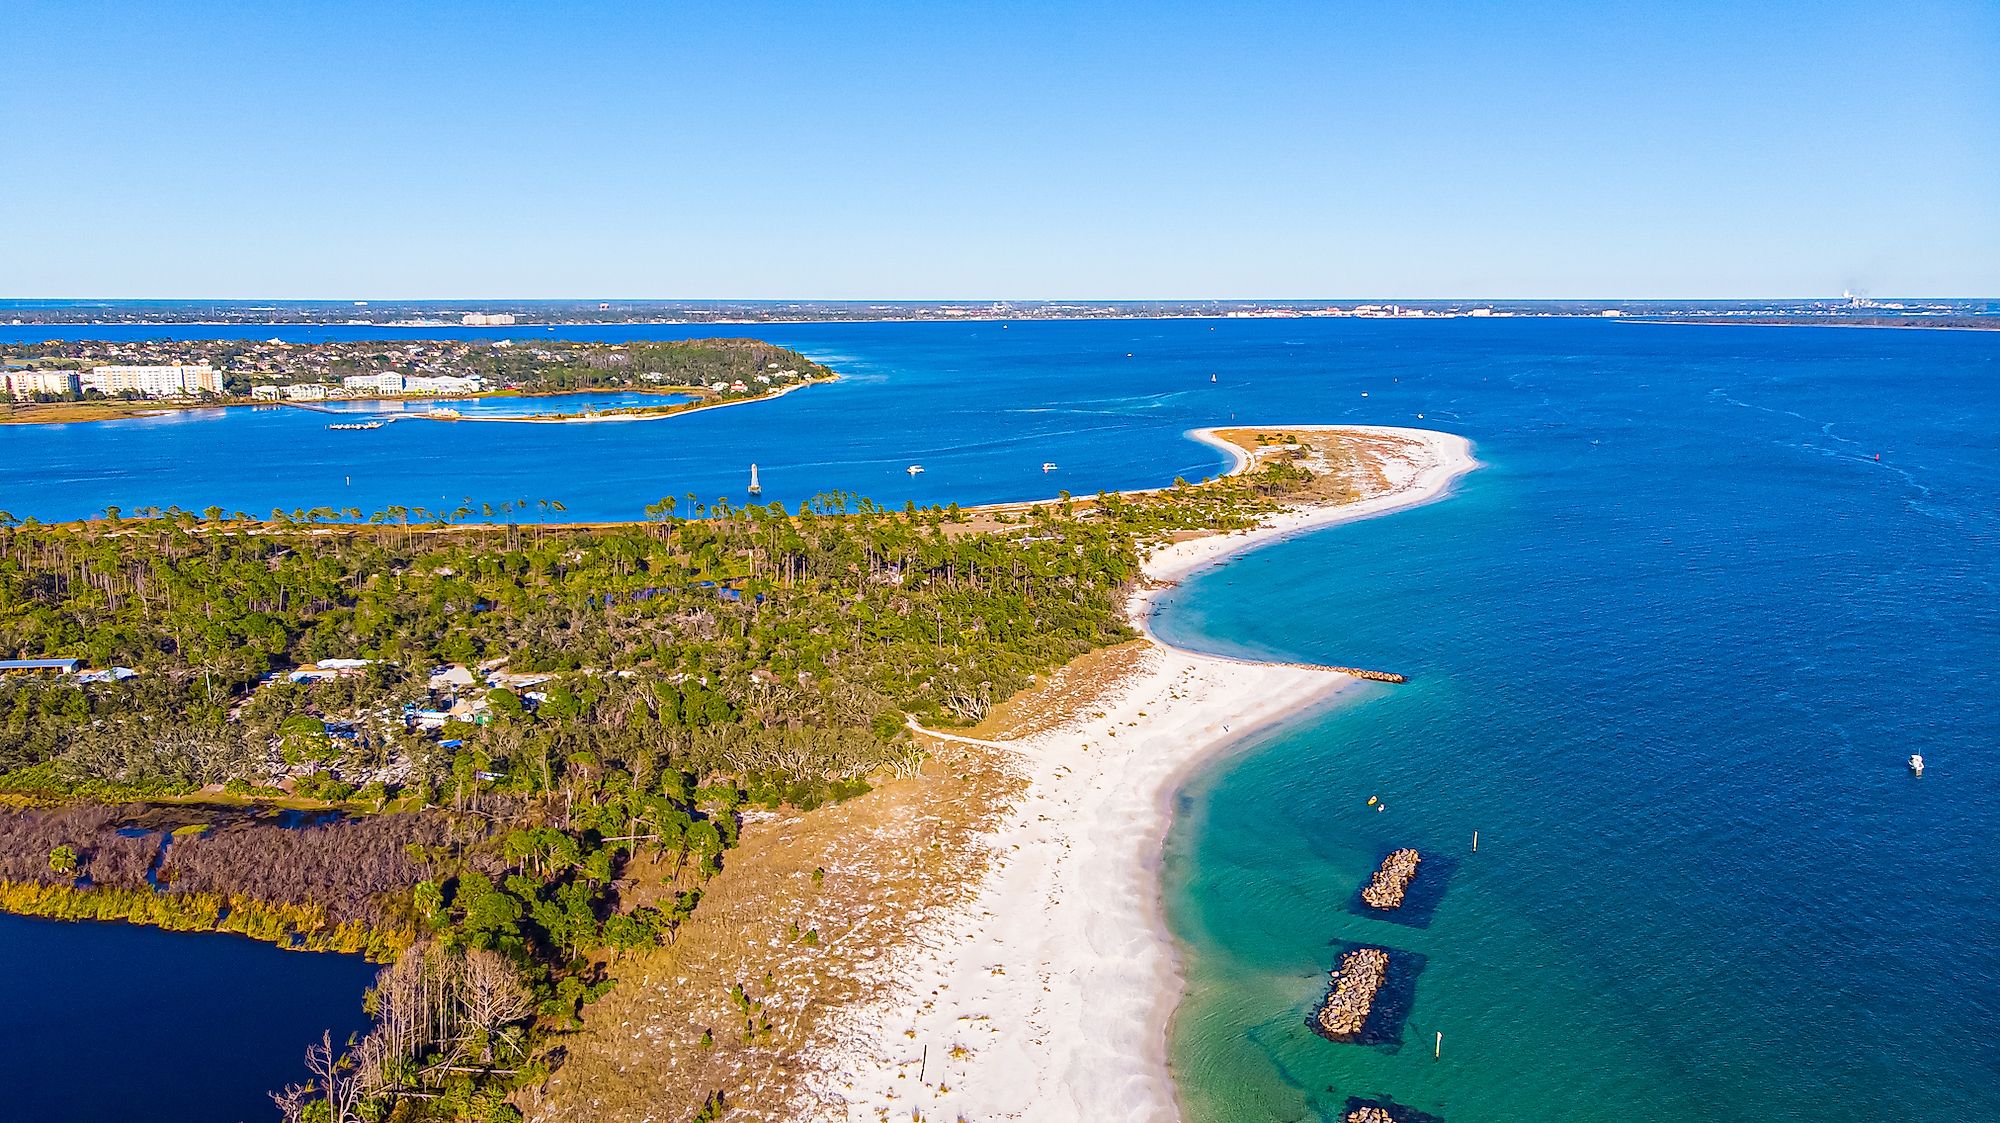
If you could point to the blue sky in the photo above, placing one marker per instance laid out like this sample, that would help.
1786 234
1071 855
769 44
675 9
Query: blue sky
1020 150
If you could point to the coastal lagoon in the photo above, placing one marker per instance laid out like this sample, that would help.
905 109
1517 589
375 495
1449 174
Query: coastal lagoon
1668 650
111 1022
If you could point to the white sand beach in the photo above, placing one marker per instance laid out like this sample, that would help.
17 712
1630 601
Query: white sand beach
1047 995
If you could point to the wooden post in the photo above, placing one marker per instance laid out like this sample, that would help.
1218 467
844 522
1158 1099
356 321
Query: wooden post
925 1066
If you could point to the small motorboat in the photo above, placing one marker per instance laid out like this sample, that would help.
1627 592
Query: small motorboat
915 469
1917 763
1048 465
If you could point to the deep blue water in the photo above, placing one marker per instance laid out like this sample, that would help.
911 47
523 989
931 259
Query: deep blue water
1668 649
980 406
108 1023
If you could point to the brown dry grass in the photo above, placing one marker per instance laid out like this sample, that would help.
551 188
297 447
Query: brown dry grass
903 850
50 413
1058 697
1347 464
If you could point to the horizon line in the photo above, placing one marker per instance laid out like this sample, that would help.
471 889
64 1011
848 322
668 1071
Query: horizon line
358 300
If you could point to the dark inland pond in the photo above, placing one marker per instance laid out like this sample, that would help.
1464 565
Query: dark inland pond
105 1021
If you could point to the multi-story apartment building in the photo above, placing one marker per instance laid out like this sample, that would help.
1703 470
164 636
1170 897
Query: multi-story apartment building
28 383
153 382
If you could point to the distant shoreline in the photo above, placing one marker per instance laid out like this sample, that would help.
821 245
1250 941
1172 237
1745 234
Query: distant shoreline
117 409
631 413
1807 322
535 330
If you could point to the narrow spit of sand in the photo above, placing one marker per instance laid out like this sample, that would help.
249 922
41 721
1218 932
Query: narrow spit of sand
1046 996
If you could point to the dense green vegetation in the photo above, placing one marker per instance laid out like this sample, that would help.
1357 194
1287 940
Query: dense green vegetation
665 675
533 366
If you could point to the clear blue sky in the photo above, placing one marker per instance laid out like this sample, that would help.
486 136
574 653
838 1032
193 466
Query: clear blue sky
931 150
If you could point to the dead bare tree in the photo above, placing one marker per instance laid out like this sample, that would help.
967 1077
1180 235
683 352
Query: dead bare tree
491 996
333 1071
292 1101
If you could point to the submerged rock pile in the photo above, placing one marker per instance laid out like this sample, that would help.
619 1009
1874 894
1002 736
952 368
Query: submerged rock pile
1385 890
1361 973
1370 1113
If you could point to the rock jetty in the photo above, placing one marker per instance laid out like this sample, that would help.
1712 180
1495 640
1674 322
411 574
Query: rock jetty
1372 676
1352 994
1386 889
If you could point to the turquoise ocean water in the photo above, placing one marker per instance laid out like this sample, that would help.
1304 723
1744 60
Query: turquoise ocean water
1668 651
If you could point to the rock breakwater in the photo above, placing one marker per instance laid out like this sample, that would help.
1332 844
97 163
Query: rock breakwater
1392 881
1351 995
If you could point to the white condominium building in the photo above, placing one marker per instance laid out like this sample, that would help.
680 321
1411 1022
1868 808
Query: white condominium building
153 382
28 383
389 382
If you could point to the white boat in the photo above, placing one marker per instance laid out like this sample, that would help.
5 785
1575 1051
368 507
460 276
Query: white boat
1917 763
755 487
915 469
355 425
1048 465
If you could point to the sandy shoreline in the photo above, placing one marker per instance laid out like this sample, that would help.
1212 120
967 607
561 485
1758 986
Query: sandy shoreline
1047 995
645 413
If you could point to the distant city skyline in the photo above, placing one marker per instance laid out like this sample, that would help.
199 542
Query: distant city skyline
511 151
